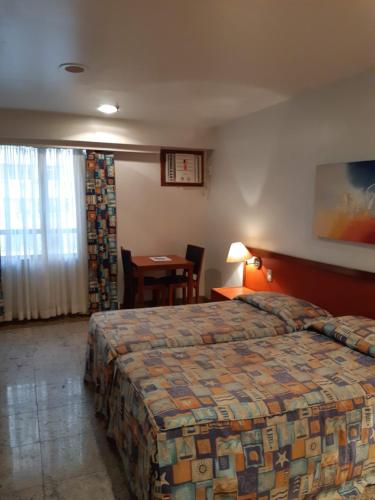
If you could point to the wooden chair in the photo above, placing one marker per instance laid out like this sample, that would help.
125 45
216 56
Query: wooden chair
131 283
194 254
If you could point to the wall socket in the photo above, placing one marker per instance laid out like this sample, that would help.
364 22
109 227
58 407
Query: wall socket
269 275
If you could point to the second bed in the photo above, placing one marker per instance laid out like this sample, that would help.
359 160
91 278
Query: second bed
116 333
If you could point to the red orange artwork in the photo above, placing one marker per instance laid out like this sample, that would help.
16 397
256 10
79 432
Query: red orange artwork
345 201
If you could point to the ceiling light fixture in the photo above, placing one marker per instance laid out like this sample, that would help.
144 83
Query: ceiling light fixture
73 67
108 109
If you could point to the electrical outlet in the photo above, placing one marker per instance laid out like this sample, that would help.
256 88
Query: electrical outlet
269 275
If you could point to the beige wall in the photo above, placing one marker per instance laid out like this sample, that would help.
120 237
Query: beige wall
262 190
153 219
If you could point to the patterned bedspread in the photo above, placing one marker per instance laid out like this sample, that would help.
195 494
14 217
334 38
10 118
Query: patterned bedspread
115 333
254 419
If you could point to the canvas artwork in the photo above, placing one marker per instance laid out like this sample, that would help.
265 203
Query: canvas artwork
345 201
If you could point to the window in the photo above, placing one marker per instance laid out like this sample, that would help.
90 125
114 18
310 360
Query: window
38 201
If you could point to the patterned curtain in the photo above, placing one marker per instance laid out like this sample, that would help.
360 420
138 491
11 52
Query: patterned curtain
1 298
101 231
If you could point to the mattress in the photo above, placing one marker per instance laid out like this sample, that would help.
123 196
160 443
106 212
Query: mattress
254 419
115 333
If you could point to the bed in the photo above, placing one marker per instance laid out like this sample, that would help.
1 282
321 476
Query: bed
116 333
253 419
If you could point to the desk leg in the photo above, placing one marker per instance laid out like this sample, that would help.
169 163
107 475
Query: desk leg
141 288
190 285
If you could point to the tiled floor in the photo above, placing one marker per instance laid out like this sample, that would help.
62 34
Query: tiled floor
51 445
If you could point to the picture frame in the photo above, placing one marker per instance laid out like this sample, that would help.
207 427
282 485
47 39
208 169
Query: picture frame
345 201
181 167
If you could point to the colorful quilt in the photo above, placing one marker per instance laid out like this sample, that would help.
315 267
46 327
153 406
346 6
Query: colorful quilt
254 419
115 333
356 332
297 313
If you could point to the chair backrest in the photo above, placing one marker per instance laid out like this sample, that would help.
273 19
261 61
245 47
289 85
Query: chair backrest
129 284
195 254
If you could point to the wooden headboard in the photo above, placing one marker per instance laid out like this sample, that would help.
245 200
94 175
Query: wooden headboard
340 290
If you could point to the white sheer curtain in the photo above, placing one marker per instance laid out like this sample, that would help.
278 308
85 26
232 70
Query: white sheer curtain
42 232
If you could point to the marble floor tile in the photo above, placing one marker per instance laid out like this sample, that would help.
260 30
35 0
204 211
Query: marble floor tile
77 327
71 456
48 343
19 430
53 373
55 354
114 467
16 376
72 390
19 336
49 328
17 398
18 352
33 493
18 363
67 420
20 467
96 486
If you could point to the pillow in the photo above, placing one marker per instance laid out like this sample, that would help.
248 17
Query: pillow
356 332
297 313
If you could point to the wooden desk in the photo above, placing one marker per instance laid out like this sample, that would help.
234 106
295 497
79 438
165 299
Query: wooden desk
144 263
228 293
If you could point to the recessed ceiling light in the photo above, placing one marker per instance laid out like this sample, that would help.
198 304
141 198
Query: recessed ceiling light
73 67
108 109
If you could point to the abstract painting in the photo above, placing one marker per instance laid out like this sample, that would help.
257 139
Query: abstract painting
345 201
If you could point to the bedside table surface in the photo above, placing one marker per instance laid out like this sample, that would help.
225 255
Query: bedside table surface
231 292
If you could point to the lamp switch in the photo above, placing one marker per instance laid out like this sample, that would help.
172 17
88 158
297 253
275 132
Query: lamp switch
269 275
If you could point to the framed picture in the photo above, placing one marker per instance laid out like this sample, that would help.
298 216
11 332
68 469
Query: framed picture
181 168
345 201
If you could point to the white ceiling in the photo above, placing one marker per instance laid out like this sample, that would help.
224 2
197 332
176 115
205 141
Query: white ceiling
182 61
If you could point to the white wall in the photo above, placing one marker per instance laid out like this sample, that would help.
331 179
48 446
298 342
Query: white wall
262 190
153 219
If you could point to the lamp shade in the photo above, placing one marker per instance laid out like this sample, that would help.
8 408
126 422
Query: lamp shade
238 252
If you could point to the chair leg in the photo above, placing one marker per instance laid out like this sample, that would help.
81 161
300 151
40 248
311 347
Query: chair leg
184 295
129 301
171 295
163 295
196 288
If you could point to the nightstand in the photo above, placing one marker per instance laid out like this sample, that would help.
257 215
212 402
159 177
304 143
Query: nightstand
228 293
